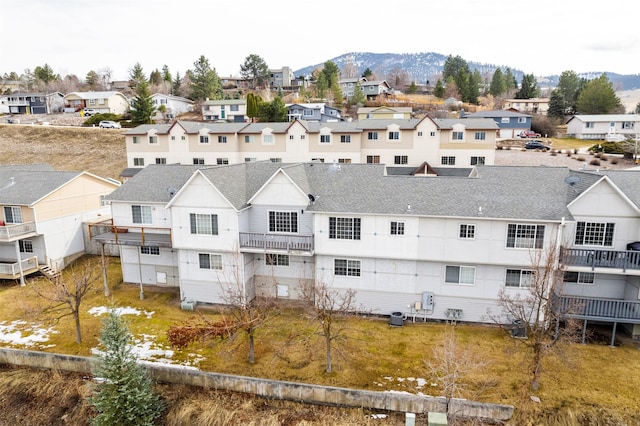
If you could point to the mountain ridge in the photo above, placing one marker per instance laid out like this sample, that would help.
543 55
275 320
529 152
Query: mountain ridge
425 66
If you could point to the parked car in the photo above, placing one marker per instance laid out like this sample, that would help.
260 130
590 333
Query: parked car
106 124
529 134
88 112
535 144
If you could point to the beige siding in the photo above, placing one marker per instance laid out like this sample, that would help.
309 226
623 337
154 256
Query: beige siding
78 196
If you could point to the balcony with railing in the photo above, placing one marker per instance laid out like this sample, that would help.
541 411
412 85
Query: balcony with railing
16 231
107 233
606 310
610 261
10 270
284 243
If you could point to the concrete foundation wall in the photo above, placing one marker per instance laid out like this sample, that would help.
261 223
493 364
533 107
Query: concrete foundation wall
274 389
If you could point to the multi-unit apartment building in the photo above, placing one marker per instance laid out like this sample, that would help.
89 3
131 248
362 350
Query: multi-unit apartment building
436 248
42 212
402 142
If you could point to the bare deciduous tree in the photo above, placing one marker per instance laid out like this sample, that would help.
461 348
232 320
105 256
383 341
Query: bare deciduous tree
66 293
331 308
452 364
535 312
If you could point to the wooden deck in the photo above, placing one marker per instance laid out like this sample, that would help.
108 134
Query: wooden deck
276 243
623 260
593 309
10 270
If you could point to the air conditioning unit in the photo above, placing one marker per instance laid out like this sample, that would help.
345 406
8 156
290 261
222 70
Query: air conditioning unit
187 305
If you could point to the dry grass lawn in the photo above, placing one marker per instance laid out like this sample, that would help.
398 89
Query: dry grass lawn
591 381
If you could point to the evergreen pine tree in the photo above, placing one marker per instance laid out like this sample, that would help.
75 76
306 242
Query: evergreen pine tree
438 91
125 396
142 108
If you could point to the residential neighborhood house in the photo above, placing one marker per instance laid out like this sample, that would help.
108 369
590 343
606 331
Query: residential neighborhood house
103 102
385 112
510 123
42 215
599 126
172 105
31 103
232 110
529 106
437 248
316 112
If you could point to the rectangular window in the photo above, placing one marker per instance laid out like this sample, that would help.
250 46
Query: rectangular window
420 134
12 214
155 251
153 140
325 138
345 138
460 275
204 224
138 161
276 259
373 159
141 214
204 139
283 222
579 277
161 160
589 124
400 159
307 112
394 136
522 120
267 138
505 120
210 261
480 136
136 139
372 136
521 278
183 137
344 160
26 246
525 236
222 161
457 136
628 125
432 134
198 161
477 161
344 228
594 234
234 108
275 160
467 231
222 139
448 160
291 137
346 267
250 159
397 228
248 138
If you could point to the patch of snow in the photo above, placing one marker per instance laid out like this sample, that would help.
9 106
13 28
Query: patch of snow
378 416
22 333
128 310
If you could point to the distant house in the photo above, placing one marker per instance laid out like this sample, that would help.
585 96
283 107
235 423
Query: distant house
173 105
232 110
104 102
384 112
281 78
599 126
510 123
533 105
316 112
373 89
42 212
31 103
232 82
348 85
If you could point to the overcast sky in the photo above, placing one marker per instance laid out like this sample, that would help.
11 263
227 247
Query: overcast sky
542 37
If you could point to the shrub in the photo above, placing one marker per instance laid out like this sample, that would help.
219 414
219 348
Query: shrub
554 153
595 162
569 153
580 158
95 119
603 158
614 161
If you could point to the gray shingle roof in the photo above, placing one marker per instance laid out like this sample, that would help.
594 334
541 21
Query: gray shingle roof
25 184
469 123
525 193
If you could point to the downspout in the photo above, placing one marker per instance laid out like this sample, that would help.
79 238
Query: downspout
22 283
